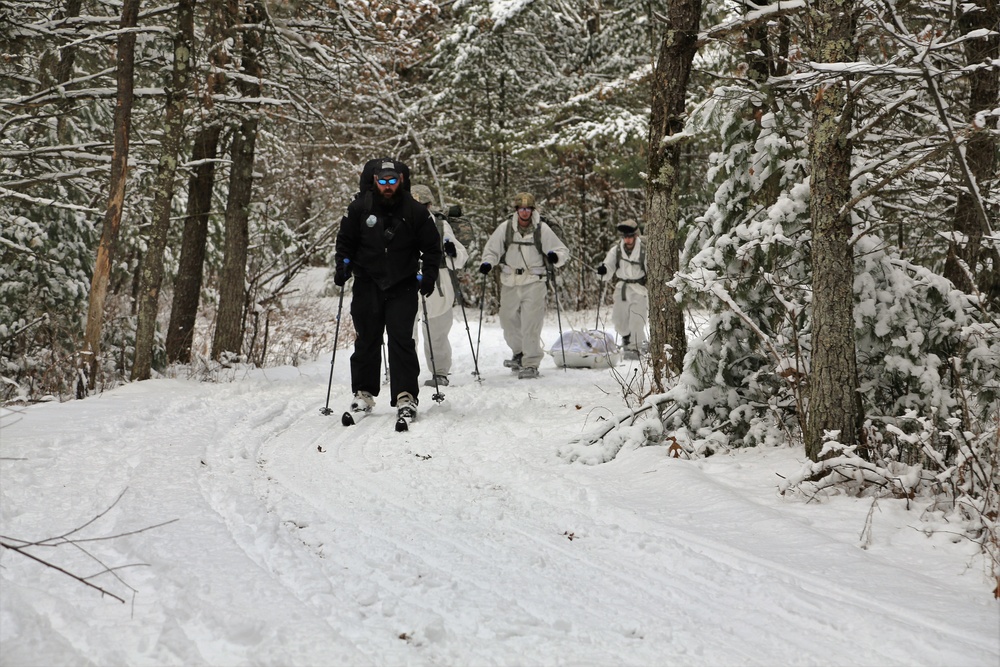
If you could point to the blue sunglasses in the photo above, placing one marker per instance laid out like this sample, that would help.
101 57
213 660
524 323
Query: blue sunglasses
387 181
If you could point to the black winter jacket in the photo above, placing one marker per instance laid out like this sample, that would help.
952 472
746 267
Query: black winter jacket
387 243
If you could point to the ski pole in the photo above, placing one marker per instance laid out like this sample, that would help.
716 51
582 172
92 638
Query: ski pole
325 410
551 274
385 363
482 302
438 396
461 302
604 287
597 325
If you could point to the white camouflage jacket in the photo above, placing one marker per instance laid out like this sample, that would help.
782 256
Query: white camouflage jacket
522 263
442 298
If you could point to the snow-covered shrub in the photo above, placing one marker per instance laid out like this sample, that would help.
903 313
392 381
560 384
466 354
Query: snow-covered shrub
44 282
928 355
747 259
641 427
923 347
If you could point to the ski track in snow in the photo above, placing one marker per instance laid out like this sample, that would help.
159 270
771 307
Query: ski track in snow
465 541
439 504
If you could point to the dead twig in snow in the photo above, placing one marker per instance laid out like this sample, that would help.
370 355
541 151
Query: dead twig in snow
21 547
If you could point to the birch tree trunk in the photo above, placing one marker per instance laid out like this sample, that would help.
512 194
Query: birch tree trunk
116 189
834 402
151 277
668 341
229 327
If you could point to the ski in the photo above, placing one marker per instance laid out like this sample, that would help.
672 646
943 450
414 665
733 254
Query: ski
405 414
351 418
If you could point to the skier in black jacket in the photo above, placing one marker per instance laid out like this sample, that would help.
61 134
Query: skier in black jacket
384 240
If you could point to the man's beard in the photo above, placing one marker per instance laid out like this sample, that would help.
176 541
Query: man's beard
391 199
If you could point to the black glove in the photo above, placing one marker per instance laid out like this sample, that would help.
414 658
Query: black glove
485 267
552 257
426 285
342 273
601 270
449 248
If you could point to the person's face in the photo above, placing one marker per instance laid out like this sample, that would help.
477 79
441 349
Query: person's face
524 215
629 241
387 185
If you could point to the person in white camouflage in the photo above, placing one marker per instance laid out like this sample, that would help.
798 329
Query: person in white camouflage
626 262
440 303
527 250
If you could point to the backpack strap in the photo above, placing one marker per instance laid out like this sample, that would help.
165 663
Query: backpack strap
641 262
509 240
440 226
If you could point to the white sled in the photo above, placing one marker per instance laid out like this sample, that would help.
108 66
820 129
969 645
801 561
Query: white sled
586 349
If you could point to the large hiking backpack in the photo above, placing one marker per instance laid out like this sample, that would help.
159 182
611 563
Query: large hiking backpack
536 236
465 230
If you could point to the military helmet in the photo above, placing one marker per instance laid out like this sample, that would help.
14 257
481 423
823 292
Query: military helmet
422 194
524 199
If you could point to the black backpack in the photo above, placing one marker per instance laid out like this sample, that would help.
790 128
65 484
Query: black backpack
366 182
464 229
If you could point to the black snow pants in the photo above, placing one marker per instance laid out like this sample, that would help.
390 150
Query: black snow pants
392 311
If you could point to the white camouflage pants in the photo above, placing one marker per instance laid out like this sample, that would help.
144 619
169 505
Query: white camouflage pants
522 314
630 314
438 342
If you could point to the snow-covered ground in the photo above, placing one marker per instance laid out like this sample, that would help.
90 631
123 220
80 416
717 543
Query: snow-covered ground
467 541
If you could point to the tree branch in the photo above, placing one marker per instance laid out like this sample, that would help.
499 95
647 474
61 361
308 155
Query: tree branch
21 546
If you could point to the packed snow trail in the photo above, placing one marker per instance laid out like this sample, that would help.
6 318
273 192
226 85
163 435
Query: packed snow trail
464 541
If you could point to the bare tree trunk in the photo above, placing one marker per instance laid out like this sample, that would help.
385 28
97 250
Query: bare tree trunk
498 150
190 271
834 403
670 78
965 265
116 197
163 193
232 281
64 71
187 286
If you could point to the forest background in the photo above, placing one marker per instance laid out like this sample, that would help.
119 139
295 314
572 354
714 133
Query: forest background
819 177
